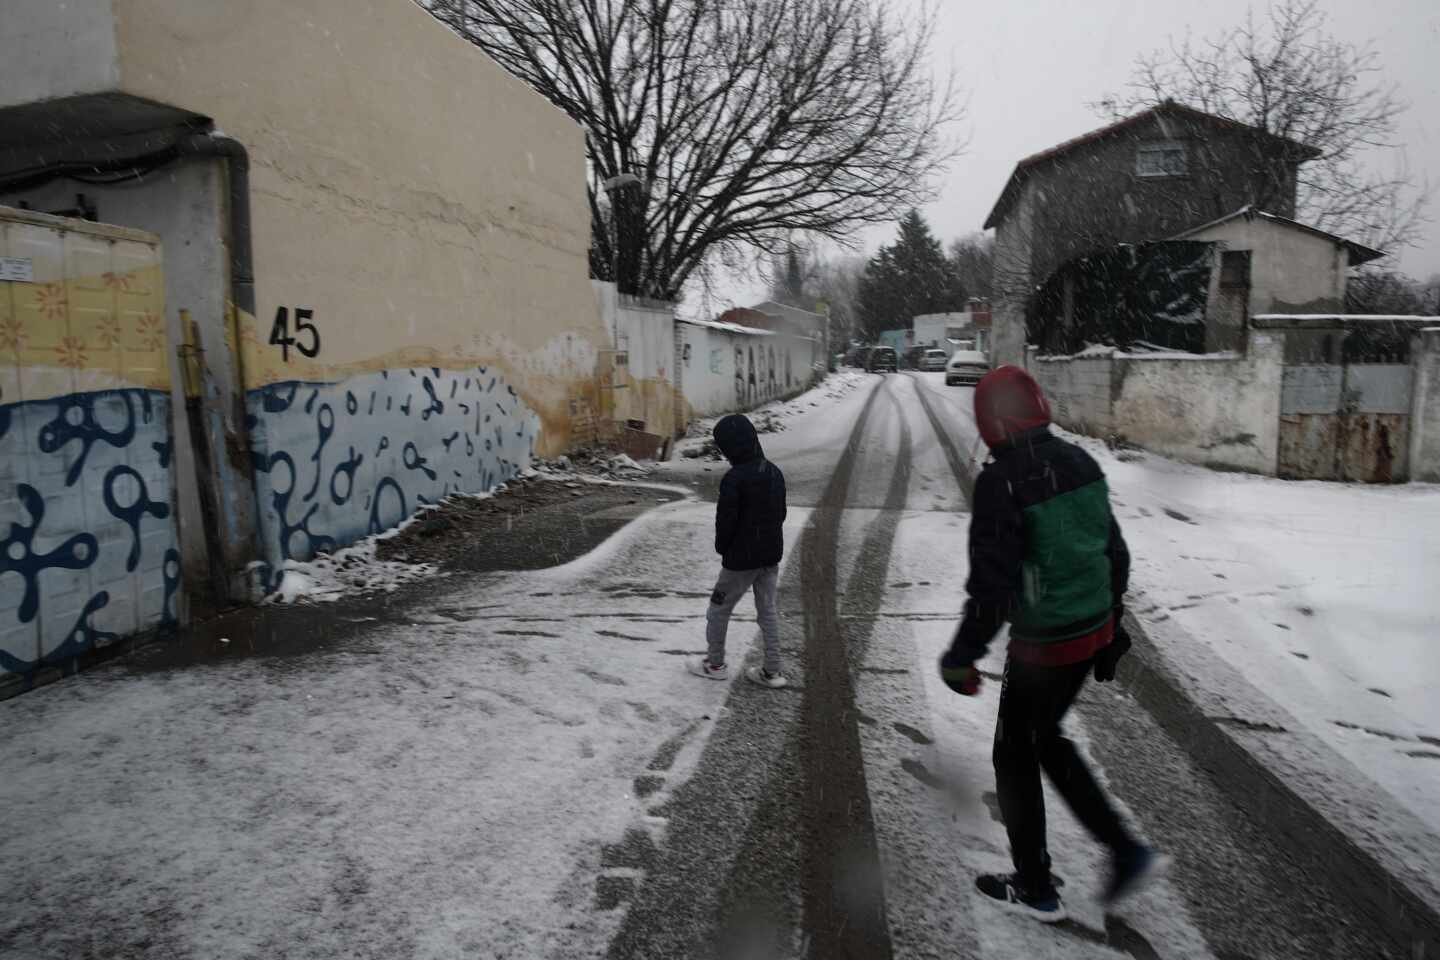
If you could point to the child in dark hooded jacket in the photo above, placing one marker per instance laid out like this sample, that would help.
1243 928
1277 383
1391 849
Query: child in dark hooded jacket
1048 558
749 538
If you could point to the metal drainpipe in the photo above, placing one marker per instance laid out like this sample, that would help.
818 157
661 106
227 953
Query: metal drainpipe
242 269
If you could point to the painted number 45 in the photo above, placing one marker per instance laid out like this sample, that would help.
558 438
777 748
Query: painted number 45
280 333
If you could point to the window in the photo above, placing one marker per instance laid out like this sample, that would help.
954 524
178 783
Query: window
1235 270
1161 159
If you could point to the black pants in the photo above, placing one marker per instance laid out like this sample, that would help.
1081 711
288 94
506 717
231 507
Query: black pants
1033 701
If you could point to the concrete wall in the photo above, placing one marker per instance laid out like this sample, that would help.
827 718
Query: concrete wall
1291 270
1207 410
1425 407
87 534
1216 411
1080 392
1014 281
56 49
422 212
726 371
643 387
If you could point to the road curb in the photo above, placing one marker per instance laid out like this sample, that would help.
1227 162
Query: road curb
1269 799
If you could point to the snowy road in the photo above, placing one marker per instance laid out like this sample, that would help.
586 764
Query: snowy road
521 767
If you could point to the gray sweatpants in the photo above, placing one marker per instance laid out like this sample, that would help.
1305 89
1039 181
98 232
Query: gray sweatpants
728 590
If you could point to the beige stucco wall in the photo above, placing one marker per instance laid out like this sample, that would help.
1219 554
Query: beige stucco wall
1291 271
427 207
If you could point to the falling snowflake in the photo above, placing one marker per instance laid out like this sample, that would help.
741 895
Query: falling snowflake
151 330
12 333
72 353
50 300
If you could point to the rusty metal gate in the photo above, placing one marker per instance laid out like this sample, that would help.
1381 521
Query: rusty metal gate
1345 421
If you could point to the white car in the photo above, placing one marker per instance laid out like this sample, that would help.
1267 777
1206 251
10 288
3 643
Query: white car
933 360
966 366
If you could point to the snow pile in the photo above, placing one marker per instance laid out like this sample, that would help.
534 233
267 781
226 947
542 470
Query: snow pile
1321 594
354 569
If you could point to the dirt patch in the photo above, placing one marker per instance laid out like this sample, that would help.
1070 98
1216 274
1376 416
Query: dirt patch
532 523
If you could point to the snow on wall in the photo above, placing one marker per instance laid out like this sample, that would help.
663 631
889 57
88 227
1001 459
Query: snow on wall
726 371
335 462
1217 410
1425 407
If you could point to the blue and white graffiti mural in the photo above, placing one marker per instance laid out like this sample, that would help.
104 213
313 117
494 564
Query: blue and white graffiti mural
337 462
87 537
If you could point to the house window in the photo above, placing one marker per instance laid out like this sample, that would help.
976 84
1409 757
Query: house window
1235 270
1164 158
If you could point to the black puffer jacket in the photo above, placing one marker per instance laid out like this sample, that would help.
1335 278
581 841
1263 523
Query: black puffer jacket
751 509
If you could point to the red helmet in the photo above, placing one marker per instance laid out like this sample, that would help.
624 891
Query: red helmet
1009 401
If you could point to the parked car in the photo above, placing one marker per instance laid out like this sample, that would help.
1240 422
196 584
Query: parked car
933 360
912 358
882 360
966 366
855 356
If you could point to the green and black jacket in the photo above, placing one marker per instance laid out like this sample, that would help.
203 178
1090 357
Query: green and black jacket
1046 554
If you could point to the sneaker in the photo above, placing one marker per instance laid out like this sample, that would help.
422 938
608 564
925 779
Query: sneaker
1010 894
765 678
704 668
1131 870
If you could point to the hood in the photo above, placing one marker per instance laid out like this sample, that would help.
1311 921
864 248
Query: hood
736 437
1008 401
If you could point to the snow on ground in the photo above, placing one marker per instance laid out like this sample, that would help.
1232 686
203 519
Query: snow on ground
1321 594
473 779
452 784
782 414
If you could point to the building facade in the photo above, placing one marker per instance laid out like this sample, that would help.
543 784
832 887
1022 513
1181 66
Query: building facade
1150 176
380 235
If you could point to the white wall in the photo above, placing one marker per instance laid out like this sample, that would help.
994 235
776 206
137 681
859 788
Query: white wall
645 332
1291 270
1216 411
729 371
1425 407
1079 392
56 48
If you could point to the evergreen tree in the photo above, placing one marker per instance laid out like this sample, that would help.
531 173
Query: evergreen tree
910 277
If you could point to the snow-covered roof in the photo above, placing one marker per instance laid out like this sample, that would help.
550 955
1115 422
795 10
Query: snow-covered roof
1359 253
729 327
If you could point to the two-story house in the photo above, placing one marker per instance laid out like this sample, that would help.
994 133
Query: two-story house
1151 176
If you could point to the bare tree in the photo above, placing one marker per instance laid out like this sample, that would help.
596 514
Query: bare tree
1288 76
974 259
743 120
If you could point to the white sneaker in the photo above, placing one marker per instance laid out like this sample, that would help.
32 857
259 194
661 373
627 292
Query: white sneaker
772 680
703 668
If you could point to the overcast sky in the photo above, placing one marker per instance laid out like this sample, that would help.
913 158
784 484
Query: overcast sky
1029 68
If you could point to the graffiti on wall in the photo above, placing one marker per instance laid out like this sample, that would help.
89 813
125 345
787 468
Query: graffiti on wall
335 462
88 546
88 552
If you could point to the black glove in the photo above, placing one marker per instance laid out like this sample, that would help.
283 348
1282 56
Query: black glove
1106 660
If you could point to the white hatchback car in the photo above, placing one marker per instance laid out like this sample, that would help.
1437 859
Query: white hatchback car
966 366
